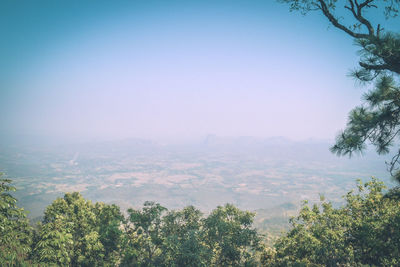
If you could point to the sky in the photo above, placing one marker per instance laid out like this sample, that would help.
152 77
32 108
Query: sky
107 70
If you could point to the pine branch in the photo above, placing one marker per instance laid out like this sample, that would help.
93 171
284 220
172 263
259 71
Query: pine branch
374 67
335 22
358 14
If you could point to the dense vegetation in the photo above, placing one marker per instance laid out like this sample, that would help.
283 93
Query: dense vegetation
76 232
365 231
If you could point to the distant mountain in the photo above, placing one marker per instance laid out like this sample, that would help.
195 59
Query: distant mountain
246 141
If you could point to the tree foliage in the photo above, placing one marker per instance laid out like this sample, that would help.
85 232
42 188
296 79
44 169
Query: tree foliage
146 235
15 231
76 232
365 231
157 237
377 120
183 244
230 237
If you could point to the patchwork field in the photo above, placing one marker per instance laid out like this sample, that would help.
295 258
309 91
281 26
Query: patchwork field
272 179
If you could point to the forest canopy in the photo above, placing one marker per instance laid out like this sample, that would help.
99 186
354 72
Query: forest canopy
77 232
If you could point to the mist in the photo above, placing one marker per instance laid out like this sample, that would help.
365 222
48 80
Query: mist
177 71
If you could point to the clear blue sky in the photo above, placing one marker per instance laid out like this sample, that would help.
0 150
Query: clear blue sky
172 69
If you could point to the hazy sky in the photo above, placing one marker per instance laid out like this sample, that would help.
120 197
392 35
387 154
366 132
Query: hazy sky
175 69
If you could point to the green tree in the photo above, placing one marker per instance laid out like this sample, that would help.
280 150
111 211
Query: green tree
365 231
75 232
183 246
55 243
109 221
230 237
155 237
377 120
15 232
144 236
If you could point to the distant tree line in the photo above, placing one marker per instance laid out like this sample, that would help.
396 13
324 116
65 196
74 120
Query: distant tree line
76 232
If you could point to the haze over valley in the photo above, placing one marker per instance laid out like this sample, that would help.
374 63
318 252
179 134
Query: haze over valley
269 175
